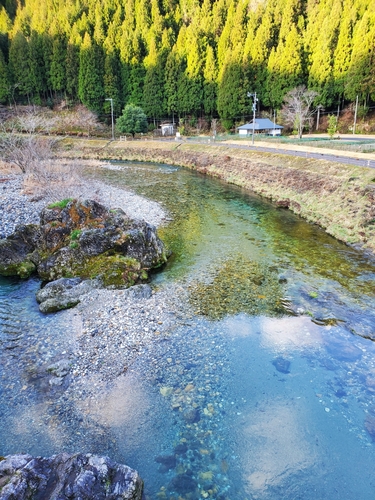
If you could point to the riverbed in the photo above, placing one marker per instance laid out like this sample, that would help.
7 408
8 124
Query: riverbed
256 382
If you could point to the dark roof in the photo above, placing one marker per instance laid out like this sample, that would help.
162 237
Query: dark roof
260 124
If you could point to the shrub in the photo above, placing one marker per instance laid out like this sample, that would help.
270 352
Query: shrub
60 204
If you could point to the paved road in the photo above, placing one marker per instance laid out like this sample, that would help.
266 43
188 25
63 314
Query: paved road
303 154
320 156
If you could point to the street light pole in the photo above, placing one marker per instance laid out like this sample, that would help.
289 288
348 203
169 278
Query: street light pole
255 100
113 126
355 115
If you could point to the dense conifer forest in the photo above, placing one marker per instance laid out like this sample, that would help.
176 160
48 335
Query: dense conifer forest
178 58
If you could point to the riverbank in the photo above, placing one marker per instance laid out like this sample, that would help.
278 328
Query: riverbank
339 198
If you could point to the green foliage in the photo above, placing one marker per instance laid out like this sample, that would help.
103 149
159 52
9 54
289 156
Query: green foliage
227 124
112 82
332 125
90 79
153 91
60 204
58 64
19 64
72 69
4 79
75 234
132 121
185 57
228 104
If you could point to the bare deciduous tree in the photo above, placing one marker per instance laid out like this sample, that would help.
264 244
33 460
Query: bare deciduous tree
297 110
33 123
26 152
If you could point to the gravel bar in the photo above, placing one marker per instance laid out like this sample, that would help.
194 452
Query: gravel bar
111 327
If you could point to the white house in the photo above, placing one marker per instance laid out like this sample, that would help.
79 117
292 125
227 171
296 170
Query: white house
260 126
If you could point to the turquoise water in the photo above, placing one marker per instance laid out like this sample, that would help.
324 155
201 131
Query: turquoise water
265 391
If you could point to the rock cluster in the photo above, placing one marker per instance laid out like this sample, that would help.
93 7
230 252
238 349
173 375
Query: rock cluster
66 476
84 240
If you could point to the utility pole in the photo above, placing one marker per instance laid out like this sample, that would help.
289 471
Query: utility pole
255 100
113 125
274 122
355 115
319 107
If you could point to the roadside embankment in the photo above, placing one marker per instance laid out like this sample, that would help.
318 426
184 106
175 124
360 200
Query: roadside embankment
339 198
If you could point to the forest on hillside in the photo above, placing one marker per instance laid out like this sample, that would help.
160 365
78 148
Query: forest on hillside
178 58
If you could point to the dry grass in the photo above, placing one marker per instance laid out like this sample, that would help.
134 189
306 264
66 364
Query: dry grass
58 179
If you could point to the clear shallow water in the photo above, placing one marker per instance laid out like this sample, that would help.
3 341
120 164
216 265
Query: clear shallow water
243 401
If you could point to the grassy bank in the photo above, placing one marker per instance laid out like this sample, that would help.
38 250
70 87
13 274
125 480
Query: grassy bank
340 198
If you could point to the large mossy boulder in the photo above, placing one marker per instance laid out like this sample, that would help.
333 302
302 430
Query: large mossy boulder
64 477
15 251
86 240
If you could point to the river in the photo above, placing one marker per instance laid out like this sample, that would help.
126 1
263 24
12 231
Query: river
266 391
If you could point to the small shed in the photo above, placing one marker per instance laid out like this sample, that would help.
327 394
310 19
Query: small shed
260 126
167 129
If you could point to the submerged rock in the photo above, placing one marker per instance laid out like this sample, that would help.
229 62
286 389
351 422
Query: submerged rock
63 477
81 240
183 484
281 364
167 462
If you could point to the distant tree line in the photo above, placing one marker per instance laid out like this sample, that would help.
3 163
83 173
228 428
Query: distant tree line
186 57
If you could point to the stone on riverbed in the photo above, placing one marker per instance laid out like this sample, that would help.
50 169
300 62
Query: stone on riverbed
63 293
67 476
281 364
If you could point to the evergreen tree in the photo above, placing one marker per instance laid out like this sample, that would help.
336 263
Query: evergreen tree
192 93
112 82
136 83
72 69
19 65
361 73
36 66
285 68
5 28
58 64
173 69
268 47
259 53
90 79
4 79
153 91
210 84
228 104
322 46
342 54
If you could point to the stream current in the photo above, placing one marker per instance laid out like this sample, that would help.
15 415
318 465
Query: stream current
265 391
